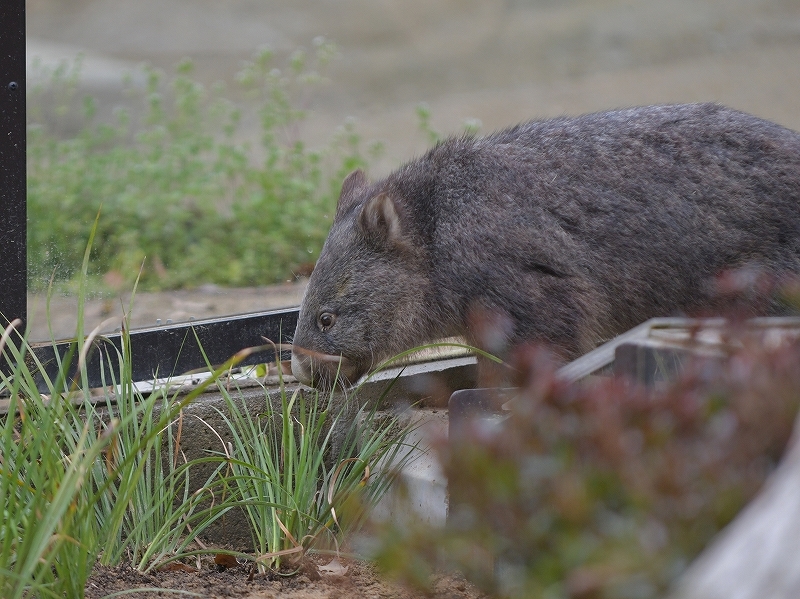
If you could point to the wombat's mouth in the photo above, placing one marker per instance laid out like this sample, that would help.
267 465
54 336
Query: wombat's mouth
324 371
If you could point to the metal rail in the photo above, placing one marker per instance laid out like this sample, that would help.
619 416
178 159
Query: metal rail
160 352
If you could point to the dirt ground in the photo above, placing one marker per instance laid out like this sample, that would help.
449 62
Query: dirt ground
495 61
350 579
152 309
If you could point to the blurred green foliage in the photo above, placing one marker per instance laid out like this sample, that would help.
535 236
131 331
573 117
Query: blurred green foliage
605 489
181 186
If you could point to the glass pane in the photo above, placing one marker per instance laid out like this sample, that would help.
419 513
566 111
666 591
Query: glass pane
217 166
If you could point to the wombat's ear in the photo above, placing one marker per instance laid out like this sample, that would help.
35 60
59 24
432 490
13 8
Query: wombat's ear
350 186
380 222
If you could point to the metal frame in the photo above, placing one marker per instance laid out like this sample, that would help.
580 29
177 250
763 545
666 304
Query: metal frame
13 211
159 351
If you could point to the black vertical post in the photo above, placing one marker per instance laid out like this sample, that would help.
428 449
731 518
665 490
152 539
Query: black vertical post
13 213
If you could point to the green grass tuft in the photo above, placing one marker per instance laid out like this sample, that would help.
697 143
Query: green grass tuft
98 474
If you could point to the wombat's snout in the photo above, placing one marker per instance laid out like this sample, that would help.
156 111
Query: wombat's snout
301 367
322 371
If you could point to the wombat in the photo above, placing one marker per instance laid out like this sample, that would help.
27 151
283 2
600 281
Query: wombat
573 229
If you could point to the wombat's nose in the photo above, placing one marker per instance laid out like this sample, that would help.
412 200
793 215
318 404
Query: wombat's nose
323 371
301 368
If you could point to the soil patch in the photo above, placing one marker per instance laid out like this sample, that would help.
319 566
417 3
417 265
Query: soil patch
360 580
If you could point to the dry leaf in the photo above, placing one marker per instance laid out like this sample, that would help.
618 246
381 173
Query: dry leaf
225 560
335 567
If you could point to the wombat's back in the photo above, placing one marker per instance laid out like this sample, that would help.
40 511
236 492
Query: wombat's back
599 222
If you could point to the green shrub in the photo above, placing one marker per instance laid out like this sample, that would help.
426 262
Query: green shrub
180 183
606 489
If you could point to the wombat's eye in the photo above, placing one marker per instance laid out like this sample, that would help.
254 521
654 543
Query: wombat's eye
326 320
